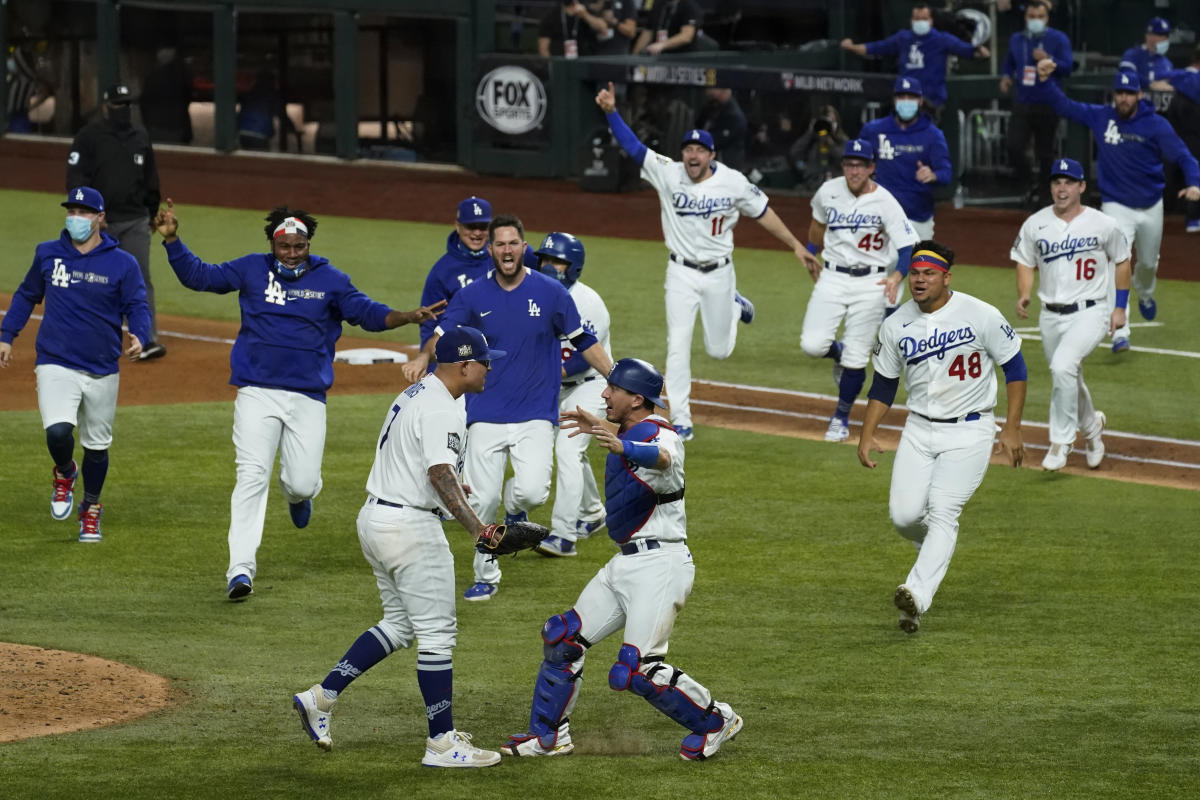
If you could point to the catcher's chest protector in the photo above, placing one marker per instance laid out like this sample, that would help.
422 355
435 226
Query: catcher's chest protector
630 502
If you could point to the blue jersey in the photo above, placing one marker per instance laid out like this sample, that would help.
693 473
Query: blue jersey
897 151
86 296
1149 66
454 270
1186 82
1129 152
289 327
525 323
1021 66
923 57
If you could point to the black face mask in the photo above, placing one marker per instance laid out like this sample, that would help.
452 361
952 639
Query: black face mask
121 116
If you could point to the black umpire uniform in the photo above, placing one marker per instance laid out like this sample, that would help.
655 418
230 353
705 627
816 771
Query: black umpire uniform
114 157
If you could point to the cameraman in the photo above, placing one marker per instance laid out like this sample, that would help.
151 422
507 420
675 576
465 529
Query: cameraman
816 156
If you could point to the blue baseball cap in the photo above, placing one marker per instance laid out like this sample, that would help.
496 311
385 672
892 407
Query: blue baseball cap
474 210
1159 26
907 86
859 148
85 197
1067 167
1127 82
464 344
701 137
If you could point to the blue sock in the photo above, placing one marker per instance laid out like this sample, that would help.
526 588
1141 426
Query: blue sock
435 676
94 469
835 352
368 650
851 385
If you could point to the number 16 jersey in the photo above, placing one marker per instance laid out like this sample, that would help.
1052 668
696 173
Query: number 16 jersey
858 230
1077 259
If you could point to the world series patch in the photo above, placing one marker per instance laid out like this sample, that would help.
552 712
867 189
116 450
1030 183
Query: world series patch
454 442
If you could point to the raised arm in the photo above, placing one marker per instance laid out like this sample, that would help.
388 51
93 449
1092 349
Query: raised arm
625 136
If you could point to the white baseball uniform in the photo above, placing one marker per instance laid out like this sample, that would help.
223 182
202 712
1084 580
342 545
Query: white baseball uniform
576 496
861 236
1077 261
947 359
80 398
1143 227
698 221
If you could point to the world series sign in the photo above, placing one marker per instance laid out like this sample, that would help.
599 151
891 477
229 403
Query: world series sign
511 99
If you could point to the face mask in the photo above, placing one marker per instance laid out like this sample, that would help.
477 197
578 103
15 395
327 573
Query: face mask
121 116
79 228
1035 26
11 64
290 273
907 109
1162 47
921 26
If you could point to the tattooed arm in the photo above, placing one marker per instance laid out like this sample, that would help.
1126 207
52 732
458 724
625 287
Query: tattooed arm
445 482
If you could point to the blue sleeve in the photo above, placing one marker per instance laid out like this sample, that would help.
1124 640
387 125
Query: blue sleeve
883 389
457 312
133 301
195 274
575 364
1175 151
359 309
1062 55
626 137
566 314
939 157
1064 106
957 46
904 259
583 341
885 47
1014 368
31 292
643 454
1129 59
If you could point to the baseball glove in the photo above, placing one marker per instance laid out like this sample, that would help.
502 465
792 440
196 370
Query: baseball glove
500 540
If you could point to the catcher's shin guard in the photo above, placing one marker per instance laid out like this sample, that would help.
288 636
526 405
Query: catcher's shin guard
668 689
557 685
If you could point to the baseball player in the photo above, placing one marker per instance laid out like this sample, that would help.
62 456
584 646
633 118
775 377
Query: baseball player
88 285
946 345
578 510
640 589
1132 142
864 231
523 312
1149 59
1081 255
415 480
293 304
701 201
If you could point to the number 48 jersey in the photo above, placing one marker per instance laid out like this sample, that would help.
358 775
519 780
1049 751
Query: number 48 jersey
1077 259
948 358
859 230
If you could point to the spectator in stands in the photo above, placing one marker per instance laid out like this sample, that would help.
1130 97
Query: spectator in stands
26 92
1031 116
1149 59
817 155
1184 115
166 94
724 119
673 26
621 16
572 30
261 107
922 51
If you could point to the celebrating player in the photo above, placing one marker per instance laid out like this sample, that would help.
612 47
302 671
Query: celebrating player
859 223
1132 142
415 479
640 589
88 284
946 344
524 312
293 305
1081 254
701 202
578 510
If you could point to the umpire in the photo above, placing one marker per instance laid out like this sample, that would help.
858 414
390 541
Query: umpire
114 156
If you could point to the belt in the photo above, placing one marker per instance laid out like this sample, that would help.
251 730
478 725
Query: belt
638 546
573 384
709 267
1069 308
855 272
974 415
390 504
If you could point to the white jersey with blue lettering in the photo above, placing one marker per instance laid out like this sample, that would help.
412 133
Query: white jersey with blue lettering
948 357
862 231
698 218
593 313
1077 259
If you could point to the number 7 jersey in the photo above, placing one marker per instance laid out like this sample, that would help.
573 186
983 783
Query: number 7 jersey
858 230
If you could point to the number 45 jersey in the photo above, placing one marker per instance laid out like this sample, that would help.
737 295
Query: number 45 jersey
1077 259
948 358
859 229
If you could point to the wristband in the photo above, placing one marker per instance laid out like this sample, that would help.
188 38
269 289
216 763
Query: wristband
812 248
643 454
1122 298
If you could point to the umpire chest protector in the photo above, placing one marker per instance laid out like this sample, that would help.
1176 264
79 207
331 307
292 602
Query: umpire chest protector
630 500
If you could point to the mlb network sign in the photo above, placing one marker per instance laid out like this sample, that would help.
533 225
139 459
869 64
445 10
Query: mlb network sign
511 99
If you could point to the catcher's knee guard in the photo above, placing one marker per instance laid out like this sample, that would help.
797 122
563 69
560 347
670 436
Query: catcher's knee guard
557 685
666 688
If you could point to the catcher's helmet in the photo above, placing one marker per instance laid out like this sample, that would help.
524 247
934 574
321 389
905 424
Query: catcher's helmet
639 377
566 247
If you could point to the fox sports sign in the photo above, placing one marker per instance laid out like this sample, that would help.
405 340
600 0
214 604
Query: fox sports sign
511 99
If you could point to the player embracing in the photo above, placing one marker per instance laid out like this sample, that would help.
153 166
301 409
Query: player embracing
1082 256
945 344
701 201
859 223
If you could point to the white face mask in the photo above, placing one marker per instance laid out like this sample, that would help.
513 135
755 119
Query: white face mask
1162 47
79 228
921 26
1035 26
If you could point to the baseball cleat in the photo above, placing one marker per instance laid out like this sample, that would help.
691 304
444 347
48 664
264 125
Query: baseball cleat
1120 344
838 430
454 749
747 308
910 617
300 512
528 744
240 587
685 433
1148 308
520 516
697 747
584 529
1094 447
63 498
152 351
480 591
315 712
89 523
556 546
1056 457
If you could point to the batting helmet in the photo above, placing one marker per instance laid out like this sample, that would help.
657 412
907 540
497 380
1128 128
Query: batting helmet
639 377
564 247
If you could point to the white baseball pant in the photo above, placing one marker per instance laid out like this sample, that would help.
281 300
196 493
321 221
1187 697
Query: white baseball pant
859 300
576 495
938 466
712 294
86 401
266 421
1067 340
530 446
1143 229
